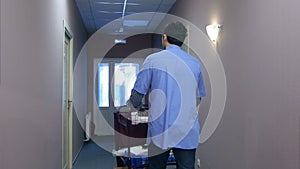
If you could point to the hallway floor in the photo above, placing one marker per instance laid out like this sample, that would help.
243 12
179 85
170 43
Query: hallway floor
92 156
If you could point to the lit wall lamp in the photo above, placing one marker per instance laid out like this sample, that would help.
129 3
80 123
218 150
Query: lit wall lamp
213 32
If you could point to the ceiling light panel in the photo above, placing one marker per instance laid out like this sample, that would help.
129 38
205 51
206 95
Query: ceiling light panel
134 23
108 2
110 12
117 3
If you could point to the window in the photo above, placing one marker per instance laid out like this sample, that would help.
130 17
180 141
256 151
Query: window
115 79
124 78
103 82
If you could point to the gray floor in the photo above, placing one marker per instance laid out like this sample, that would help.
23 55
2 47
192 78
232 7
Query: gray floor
93 156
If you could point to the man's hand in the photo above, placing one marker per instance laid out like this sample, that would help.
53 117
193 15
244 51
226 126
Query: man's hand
130 106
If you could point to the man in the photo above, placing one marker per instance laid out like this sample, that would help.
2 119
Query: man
174 81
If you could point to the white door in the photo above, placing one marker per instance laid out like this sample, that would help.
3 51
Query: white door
67 101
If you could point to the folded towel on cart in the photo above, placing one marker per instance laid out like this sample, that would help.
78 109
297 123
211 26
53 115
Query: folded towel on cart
135 151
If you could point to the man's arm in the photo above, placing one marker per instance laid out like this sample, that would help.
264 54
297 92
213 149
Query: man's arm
135 100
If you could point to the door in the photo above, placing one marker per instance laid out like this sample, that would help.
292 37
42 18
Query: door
67 100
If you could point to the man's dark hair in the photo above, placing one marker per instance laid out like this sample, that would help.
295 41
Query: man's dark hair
176 33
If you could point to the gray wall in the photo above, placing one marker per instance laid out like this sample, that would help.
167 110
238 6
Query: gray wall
259 49
31 82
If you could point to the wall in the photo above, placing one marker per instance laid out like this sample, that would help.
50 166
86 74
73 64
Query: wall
31 81
259 50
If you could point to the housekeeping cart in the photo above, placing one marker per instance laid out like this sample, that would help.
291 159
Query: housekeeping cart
131 129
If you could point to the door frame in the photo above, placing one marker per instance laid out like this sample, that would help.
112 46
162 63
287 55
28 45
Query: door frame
68 32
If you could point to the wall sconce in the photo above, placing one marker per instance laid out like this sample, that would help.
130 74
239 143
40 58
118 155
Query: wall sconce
213 32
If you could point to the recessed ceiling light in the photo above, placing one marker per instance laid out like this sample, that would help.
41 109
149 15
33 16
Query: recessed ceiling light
115 12
109 12
121 41
132 23
116 3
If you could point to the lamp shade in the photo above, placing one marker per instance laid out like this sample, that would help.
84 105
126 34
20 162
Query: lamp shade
213 32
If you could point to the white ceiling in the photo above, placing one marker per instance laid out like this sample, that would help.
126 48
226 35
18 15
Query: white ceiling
97 13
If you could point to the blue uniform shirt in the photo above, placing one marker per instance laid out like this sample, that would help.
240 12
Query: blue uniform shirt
174 79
